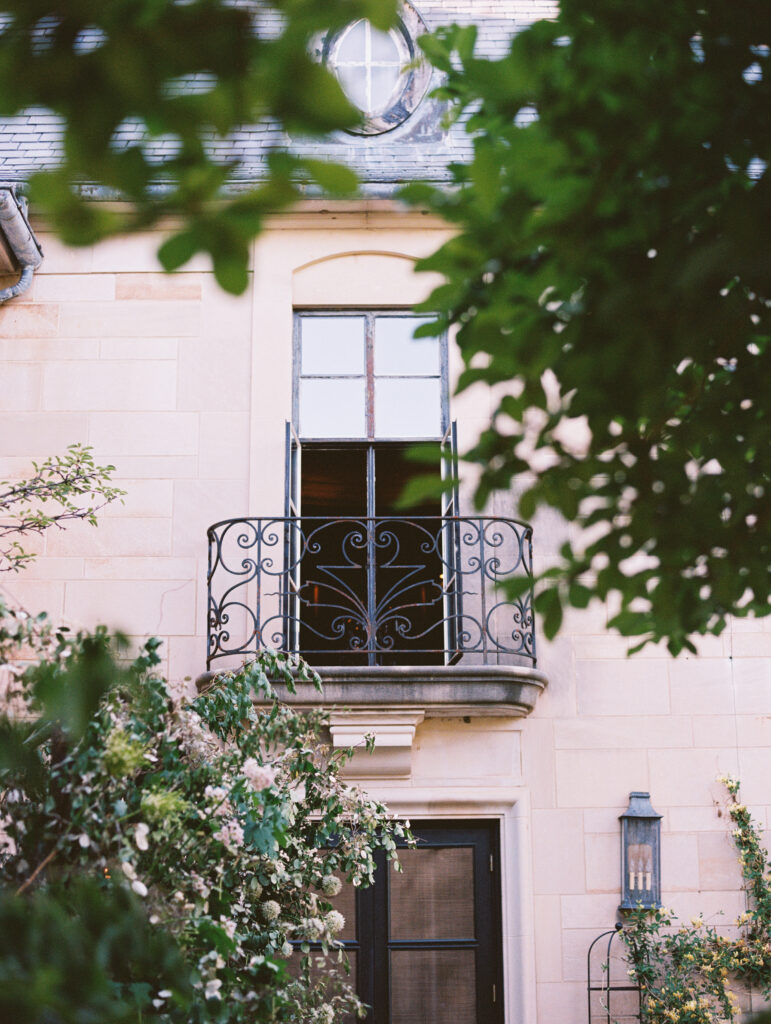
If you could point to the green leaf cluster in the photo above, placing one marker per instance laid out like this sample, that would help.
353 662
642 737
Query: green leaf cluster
609 276
180 76
61 489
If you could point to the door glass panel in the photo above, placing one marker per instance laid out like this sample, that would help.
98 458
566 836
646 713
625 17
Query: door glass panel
408 408
433 897
332 345
396 351
332 592
433 985
332 408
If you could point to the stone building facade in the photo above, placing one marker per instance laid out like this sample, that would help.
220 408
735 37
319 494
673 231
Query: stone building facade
187 392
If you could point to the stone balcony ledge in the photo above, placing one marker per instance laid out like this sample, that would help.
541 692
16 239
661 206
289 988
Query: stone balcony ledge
441 691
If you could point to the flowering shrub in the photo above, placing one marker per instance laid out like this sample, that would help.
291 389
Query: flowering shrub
685 973
227 821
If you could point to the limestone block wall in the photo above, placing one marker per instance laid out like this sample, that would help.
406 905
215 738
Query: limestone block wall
153 372
185 391
608 725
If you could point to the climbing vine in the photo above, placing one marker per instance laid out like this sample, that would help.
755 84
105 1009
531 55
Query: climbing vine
687 972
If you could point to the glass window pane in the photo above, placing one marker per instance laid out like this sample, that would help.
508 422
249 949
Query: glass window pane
408 408
332 408
396 351
436 985
332 344
433 897
351 46
353 81
382 87
385 47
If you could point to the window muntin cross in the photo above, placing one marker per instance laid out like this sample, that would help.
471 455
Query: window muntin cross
369 66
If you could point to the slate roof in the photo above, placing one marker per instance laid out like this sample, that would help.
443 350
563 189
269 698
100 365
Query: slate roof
419 148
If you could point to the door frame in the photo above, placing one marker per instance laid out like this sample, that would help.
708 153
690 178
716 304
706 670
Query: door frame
510 806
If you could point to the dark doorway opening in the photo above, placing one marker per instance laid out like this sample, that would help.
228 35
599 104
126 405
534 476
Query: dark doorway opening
370 583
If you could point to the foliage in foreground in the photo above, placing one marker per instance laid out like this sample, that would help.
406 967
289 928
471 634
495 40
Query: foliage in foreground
217 832
181 77
610 276
685 973
61 489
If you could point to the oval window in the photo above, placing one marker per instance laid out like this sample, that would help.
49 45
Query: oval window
381 73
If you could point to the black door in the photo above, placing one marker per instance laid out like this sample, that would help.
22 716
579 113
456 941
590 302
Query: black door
425 944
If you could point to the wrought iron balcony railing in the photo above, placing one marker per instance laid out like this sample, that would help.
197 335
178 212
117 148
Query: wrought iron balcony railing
371 590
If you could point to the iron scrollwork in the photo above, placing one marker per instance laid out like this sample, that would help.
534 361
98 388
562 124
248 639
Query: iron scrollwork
370 590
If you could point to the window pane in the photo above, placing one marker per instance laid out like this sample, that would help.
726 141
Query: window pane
332 344
351 46
408 408
385 47
382 86
436 985
353 80
332 408
396 351
433 898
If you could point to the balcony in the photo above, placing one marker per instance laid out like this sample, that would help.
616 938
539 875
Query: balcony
407 609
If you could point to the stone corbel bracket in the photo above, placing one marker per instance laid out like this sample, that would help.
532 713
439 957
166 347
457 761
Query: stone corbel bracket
393 732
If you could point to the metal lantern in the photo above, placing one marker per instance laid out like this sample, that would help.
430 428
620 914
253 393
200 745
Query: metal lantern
640 854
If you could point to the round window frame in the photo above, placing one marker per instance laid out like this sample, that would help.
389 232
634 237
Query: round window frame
410 26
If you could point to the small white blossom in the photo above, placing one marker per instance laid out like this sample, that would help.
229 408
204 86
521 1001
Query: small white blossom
335 921
141 833
259 775
83 840
270 910
139 887
212 990
218 796
231 835
331 885
128 870
326 1014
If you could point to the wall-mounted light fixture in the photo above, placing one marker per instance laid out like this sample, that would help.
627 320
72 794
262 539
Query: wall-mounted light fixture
640 854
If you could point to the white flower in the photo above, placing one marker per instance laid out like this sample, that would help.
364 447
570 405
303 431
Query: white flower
574 434
141 833
83 840
231 835
297 792
287 949
218 795
128 870
259 775
335 921
270 910
331 885
326 1014
212 990
139 887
